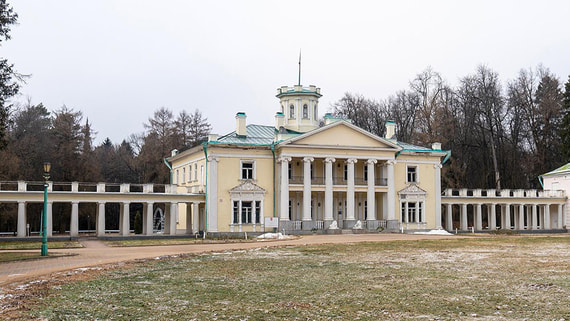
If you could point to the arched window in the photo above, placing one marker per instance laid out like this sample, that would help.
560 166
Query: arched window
291 111
305 111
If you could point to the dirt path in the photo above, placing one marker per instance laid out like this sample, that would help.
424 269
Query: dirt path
97 253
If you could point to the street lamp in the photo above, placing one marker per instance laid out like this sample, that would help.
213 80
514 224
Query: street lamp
47 167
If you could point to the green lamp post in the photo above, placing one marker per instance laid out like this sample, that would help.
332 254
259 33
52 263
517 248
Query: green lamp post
47 167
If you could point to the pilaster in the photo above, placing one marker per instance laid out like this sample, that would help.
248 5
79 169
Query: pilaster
284 190
212 220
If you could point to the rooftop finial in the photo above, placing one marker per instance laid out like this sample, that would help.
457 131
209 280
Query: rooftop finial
299 67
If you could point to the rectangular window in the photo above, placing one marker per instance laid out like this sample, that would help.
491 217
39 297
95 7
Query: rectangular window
411 212
235 217
258 212
290 170
202 174
183 174
247 170
176 177
245 212
365 210
290 210
366 172
196 172
312 176
345 172
412 176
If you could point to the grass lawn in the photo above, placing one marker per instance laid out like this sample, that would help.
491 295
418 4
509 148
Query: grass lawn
32 245
505 278
20 256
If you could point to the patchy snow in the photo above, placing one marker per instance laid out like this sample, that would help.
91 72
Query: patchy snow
274 236
434 232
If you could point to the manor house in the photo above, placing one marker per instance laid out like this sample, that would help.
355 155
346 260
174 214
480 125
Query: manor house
298 174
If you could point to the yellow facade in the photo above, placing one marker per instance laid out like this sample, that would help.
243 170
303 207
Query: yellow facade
307 177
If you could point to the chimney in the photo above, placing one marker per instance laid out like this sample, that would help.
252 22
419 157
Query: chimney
173 152
390 130
279 120
436 146
241 130
329 119
213 137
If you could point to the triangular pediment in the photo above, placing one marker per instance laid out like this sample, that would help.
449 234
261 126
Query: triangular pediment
412 189
342 134
247 186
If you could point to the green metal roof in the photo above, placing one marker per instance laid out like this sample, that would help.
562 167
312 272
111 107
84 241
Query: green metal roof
565 169
256 135
415 148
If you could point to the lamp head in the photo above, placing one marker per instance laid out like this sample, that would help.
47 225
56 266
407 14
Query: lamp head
47 168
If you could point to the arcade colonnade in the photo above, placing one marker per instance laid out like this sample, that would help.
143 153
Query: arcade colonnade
480 210
125 196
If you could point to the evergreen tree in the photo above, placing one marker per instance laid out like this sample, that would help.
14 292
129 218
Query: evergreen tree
565 126
9 86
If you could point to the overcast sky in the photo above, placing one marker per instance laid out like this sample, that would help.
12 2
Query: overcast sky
119 61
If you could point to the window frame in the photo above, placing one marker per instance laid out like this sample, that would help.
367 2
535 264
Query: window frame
305 111
291 111
415 173
241 166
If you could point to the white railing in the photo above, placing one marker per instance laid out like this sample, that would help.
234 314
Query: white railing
520 193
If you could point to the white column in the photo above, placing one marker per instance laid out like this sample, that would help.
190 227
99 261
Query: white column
188 216
391 191
284 196
49 224
560 214
521 217
124 225
196 217
329 189
170 219
406 214
212 180
449 219
437 195
507 217
307 188
371 192
74 222
547 217
463 220
21 232
534 218
493 217
350 189
101 219
148 221
478 217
